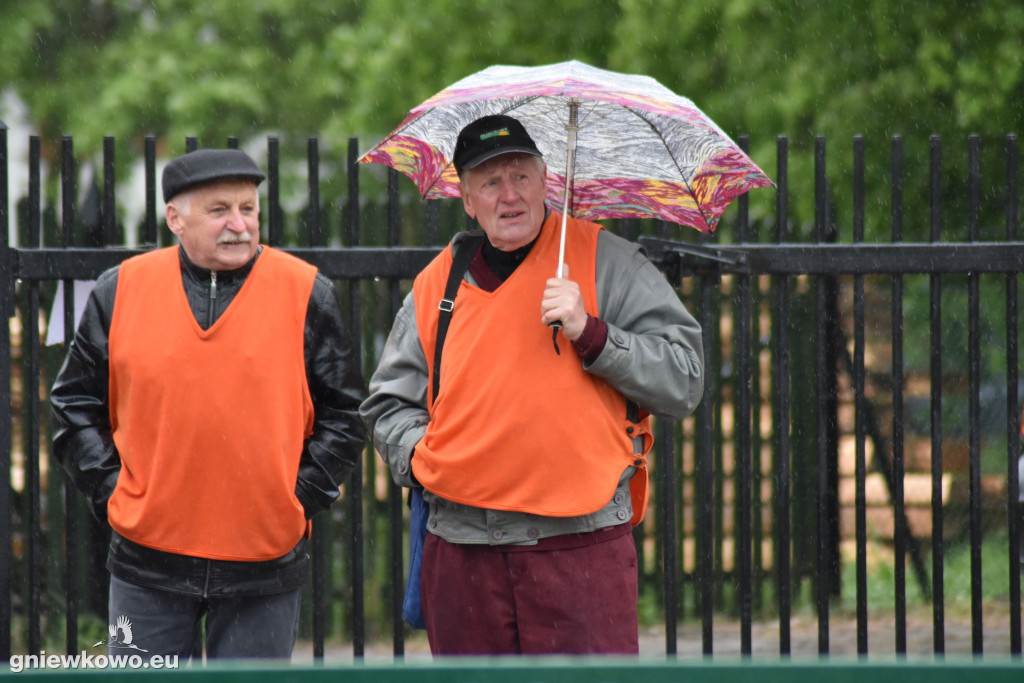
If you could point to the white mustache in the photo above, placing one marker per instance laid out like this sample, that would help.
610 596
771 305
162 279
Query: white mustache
234 238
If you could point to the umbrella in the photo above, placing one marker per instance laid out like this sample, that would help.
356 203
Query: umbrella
643 150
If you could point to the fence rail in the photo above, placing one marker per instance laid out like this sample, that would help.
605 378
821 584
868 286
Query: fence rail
748 506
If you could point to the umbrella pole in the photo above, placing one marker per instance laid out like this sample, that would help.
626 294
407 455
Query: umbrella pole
570 162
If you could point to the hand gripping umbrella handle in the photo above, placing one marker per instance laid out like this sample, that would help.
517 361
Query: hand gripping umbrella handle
557 324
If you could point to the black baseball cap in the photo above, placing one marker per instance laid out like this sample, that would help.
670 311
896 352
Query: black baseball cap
489 136
205 166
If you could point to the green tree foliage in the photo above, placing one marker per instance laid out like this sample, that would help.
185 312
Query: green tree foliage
174 68
803 68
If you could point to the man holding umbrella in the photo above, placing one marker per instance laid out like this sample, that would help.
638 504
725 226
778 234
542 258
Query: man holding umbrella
532 457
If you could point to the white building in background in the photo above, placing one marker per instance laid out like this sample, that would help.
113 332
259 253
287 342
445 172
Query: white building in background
130 192
14 115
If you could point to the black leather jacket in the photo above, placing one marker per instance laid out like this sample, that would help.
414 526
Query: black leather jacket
84 446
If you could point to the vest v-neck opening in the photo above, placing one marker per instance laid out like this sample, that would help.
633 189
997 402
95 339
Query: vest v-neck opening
532 251
220 321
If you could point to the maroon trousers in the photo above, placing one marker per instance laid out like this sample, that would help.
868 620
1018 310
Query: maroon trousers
483 600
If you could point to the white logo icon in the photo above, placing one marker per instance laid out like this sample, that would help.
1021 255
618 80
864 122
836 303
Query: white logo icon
125 627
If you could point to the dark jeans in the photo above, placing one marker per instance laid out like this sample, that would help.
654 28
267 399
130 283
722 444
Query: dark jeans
165 623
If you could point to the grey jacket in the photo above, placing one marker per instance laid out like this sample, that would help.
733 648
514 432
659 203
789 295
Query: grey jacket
653 356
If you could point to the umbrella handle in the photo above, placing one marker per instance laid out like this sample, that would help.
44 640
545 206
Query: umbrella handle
561 250
570 163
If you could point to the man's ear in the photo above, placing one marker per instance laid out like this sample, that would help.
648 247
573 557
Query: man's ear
174 222
467 203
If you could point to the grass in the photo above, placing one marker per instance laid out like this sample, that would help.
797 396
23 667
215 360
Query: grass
880 585
956 581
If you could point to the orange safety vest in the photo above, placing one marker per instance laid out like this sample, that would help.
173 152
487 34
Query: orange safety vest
210 424
516 426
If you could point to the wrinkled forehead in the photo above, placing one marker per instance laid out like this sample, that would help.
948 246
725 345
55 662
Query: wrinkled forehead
229 189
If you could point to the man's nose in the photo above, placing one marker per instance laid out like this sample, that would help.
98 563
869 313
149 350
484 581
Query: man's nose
235 221
509 191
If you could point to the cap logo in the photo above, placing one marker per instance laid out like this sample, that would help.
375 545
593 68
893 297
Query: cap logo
496 133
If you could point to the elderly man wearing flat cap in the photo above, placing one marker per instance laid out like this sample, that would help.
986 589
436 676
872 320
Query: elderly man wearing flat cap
532 458
208 409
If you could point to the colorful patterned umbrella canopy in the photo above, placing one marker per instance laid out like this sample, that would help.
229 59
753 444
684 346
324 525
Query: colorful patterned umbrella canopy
642 151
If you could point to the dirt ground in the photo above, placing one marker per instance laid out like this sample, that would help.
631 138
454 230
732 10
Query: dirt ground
765 639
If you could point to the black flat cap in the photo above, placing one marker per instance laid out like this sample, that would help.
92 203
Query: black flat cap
207 165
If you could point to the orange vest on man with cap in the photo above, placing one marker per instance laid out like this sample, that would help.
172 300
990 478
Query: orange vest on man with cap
516 426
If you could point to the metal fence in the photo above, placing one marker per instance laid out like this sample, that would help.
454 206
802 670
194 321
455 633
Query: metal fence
760 498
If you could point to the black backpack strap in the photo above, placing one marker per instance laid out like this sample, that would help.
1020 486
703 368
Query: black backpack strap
462 255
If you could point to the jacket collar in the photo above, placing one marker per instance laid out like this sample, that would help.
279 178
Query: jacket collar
192 271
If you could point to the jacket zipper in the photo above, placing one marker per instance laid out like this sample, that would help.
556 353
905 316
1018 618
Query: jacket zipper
213 300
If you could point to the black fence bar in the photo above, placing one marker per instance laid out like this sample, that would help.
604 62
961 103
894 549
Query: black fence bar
974 382
275 227
397 524
669 493
666 478
758 519
32 467
860 407
67 216
31 438
935 364
906 258
666 490
354 487
333 262
6 312
385 262
433 221
835 351
715 371
313 231
1013 410
821 391
742 460
900 527
108 210
705 455
150 233
781 408
751 386
758 397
